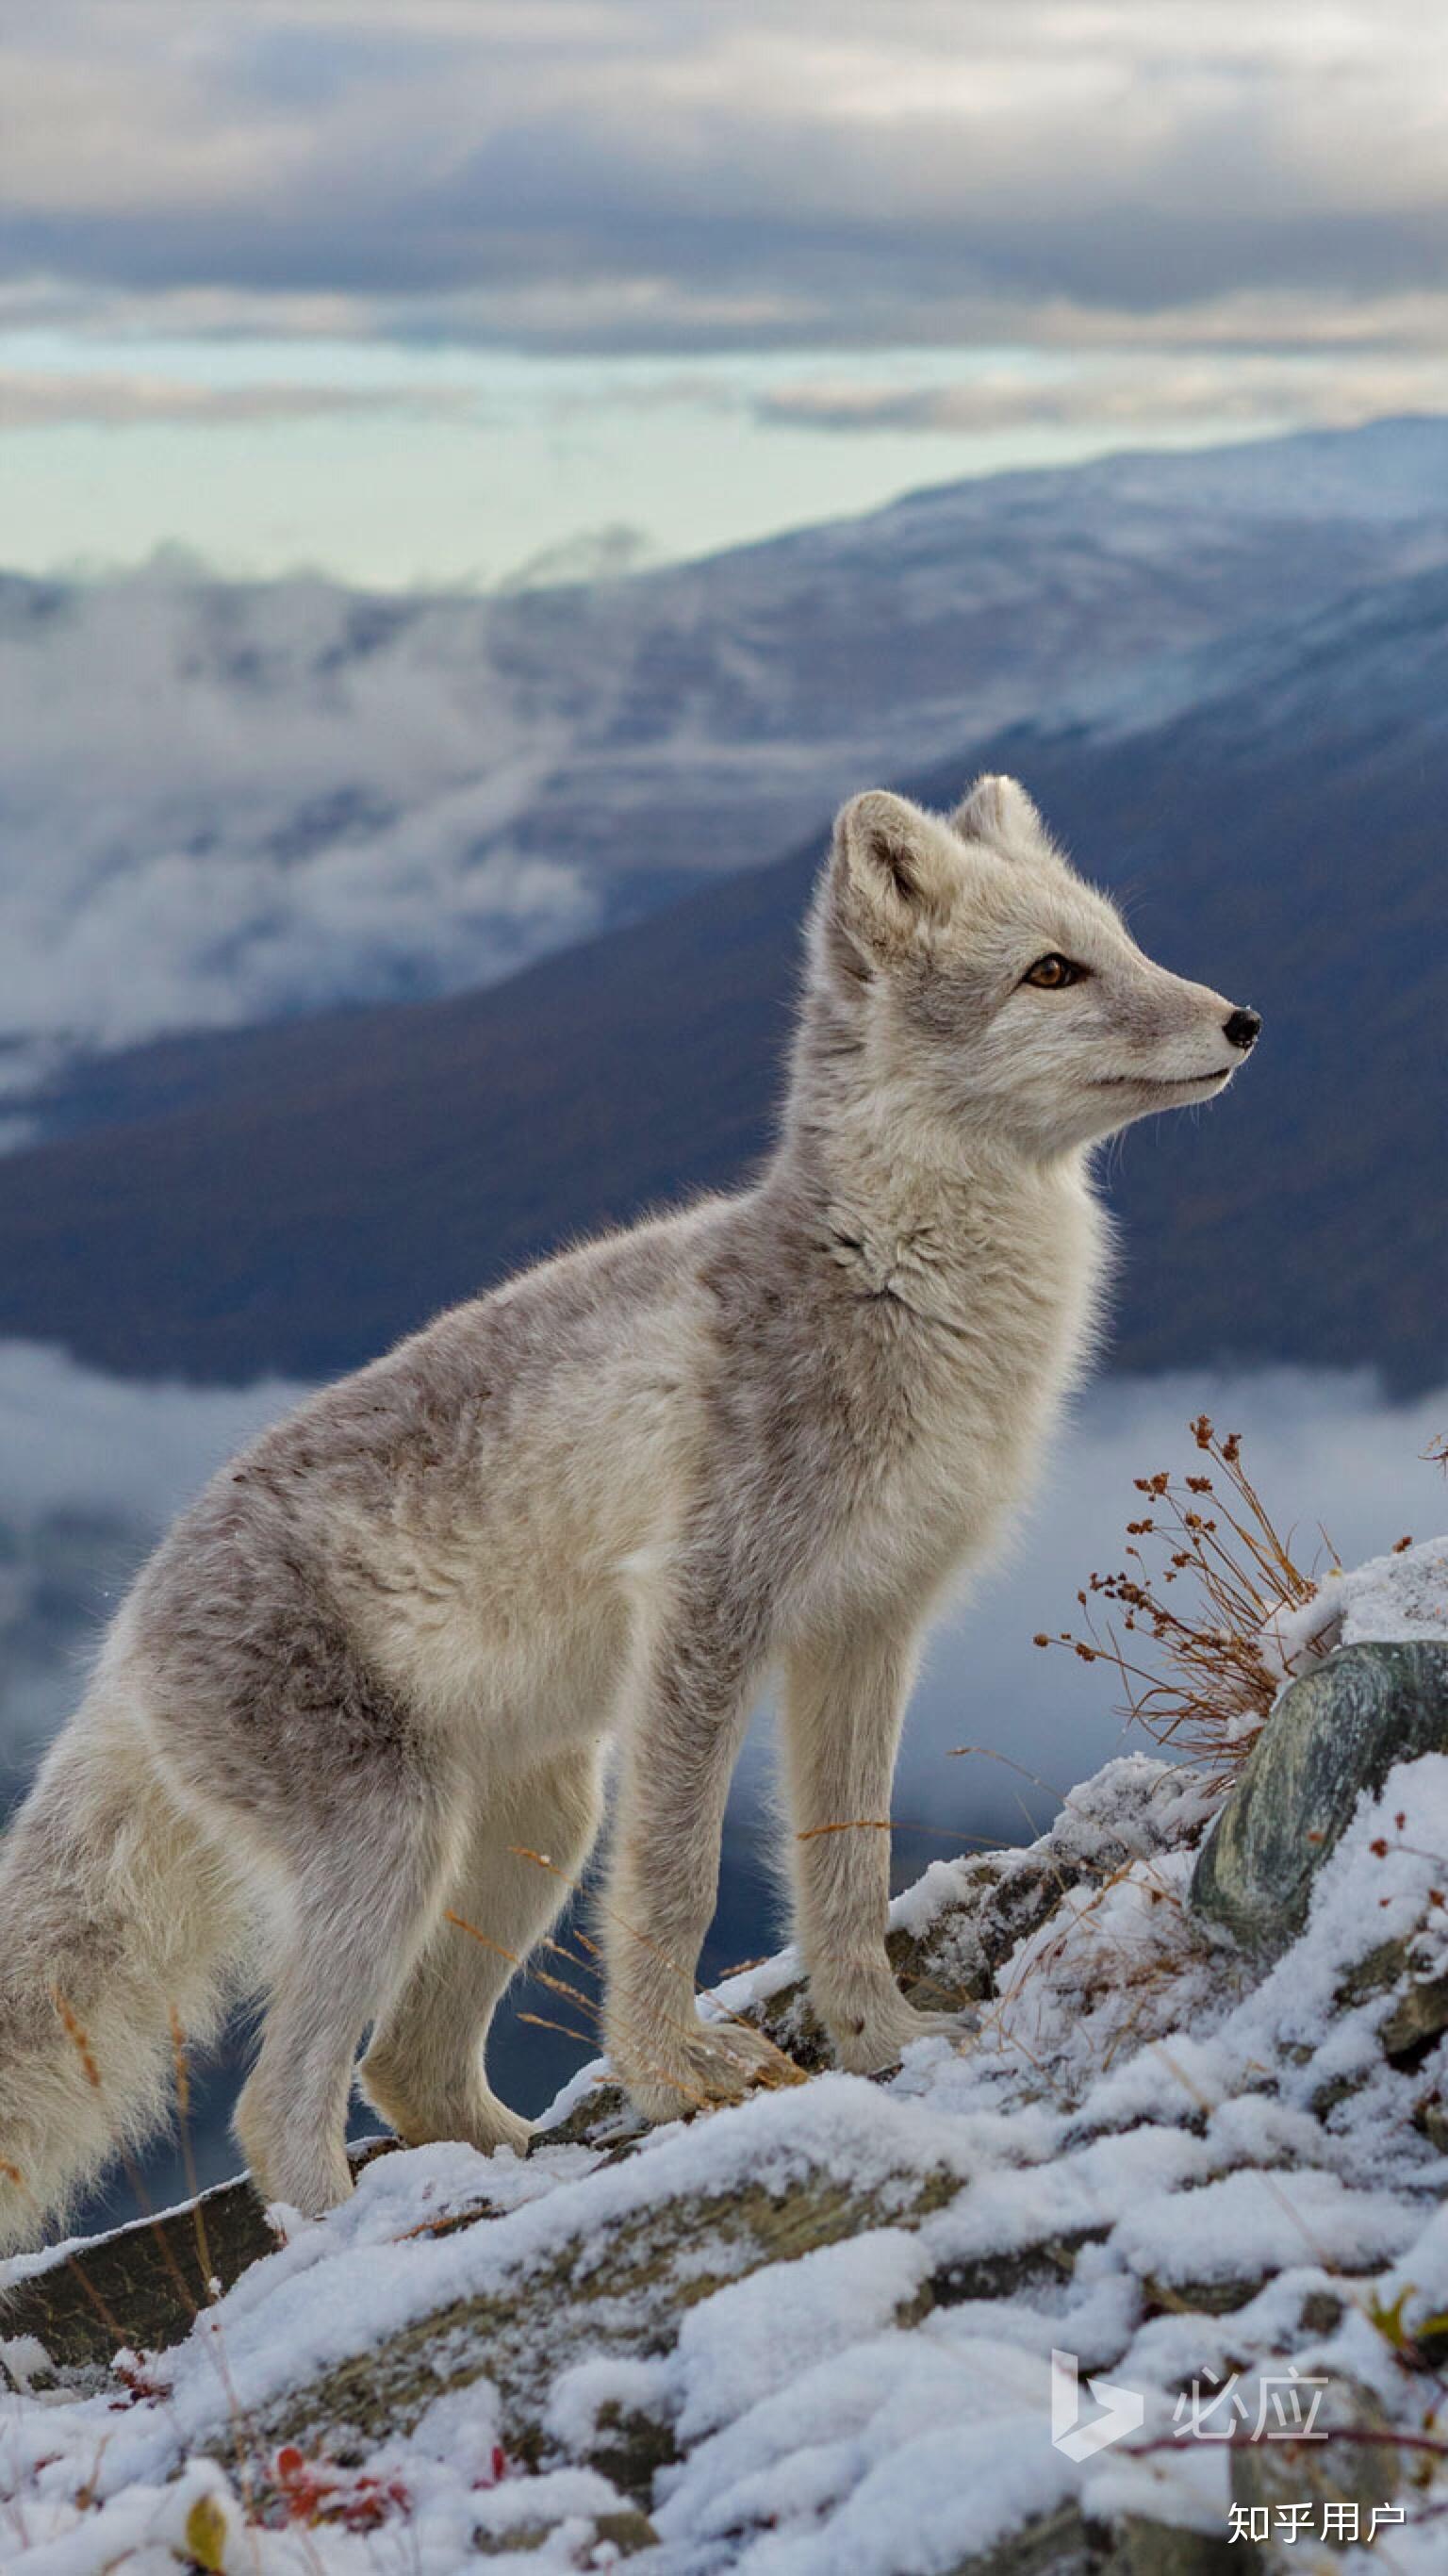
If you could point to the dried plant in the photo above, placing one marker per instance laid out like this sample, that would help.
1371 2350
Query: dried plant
1216 1666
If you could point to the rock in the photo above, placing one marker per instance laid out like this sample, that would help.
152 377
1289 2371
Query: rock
1340 2470
1329 2097
1206 2298
1049 2546
1054 2544
1335 1732
1022 2272
1430 2119
1372 1974
1419 2015
628 2532
142 2287
602 2117
628 2296
1146 2548
629 2449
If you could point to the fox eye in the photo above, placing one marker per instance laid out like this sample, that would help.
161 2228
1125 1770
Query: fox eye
1051 974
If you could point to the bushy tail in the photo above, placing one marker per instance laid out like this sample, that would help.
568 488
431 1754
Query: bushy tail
118 1921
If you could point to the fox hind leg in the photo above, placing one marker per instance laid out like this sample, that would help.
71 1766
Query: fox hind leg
424 2070
361 1908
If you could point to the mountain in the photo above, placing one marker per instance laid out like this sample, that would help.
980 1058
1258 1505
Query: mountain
290 1198
221 805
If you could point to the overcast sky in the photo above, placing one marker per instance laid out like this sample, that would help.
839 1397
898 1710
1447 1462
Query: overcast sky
427 292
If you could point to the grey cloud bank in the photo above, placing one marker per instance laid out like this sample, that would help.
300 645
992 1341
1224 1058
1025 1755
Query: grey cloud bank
634 177
32 400
1150 393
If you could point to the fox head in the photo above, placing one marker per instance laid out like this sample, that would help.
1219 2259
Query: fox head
966 968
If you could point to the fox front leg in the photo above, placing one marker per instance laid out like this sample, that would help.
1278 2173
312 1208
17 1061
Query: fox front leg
844 1704
690 1709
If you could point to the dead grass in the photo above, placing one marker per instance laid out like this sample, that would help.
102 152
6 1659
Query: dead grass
1120 1964
1187 1622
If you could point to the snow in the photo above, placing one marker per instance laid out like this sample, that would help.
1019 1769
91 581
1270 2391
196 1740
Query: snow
742 2347
1397 1598
1137 2124
917 2440
1392 1600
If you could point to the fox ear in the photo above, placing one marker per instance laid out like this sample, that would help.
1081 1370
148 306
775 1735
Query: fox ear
998 811
894 871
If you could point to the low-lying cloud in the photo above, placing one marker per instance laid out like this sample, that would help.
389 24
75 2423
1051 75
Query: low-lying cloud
1149 395
92 1469
221 806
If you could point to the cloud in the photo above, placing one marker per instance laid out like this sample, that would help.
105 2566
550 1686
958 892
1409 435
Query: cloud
1148 395
628 175
284 797
30 399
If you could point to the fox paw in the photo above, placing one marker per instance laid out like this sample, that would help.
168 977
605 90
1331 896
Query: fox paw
878 2040
698 2070
474 2118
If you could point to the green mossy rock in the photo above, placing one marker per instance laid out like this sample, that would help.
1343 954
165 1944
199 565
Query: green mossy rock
1336 1732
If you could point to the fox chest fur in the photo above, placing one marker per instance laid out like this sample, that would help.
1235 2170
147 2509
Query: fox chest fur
830 1411
876 1419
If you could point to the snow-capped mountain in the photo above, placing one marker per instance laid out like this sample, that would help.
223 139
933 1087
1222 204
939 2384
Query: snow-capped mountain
223 805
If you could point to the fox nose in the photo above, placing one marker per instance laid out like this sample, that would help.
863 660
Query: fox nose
1241 1029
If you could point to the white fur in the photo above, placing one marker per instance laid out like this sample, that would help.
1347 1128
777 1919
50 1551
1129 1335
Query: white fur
370 1679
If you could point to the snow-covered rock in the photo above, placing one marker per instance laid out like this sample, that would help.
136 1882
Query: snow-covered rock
1369 1651
836 2328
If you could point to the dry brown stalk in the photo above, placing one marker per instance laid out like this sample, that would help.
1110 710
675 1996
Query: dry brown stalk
1215 1675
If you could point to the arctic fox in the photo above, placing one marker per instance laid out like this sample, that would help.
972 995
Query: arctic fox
372 1674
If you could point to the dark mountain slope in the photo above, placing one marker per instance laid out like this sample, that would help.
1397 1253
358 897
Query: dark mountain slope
291 1198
